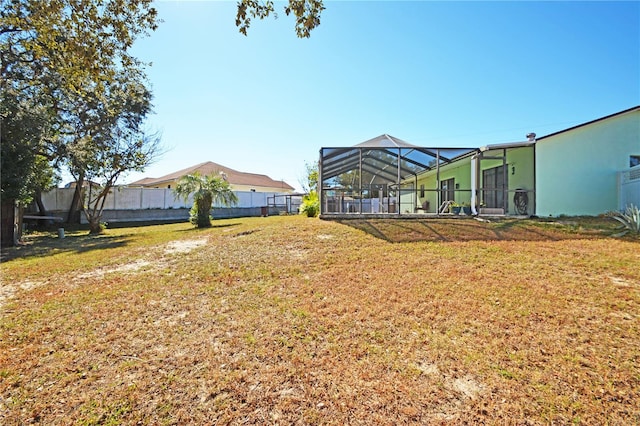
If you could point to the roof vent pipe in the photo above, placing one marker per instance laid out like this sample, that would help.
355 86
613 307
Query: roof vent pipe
531 137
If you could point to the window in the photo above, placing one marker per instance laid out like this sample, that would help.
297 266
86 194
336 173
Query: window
634 160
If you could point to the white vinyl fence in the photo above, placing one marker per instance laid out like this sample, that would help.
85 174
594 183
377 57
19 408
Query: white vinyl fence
629 188
124 198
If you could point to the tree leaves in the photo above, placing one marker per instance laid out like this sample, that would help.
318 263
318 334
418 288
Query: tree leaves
103 164
66 65
306 12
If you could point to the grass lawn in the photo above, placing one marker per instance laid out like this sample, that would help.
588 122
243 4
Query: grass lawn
290 320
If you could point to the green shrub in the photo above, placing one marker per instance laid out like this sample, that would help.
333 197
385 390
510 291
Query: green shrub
310 204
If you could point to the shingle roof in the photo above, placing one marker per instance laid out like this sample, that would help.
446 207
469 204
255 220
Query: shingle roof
143 181
234 177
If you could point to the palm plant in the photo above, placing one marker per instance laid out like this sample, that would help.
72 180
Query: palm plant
206 190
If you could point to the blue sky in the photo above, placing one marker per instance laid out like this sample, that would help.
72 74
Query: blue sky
445 74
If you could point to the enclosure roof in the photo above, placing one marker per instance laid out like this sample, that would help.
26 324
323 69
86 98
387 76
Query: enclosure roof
385 141
386 159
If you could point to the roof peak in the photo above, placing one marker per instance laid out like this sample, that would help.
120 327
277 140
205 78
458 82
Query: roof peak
385 140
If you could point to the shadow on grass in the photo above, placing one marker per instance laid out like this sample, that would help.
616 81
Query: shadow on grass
46 245
141 224
213 226
450 230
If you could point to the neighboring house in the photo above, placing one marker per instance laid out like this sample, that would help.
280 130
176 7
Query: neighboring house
239 181
587 169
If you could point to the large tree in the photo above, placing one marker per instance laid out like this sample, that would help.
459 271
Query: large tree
61 61
127 151
25 172
99 119
310 180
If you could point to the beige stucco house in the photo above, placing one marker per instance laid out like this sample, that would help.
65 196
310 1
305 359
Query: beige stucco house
239 181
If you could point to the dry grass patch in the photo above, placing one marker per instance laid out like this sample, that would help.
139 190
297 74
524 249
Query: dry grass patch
287 320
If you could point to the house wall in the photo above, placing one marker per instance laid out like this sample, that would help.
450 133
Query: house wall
461 173
407 197
521 169
163 185
577 170
260 188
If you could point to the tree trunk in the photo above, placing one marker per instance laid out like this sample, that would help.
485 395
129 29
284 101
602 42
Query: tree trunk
41 210
204 211
9 224
73 216
94 227
94 214
40 204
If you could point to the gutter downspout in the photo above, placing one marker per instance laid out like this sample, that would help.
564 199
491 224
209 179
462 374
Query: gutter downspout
319 186
438 187
360 183
399 190
415 194
474 184
505 183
